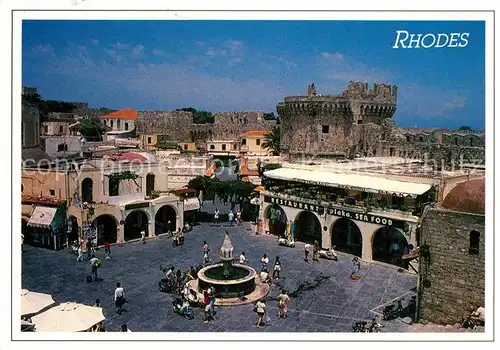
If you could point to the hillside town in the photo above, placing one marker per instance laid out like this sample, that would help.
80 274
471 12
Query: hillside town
328 187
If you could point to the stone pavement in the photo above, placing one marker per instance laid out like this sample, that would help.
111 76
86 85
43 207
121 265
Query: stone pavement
326 299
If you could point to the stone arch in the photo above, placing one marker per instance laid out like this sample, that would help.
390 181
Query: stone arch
277 219
388 245
347 237
72 224
87 190
150 184
136 222
107 228
307 227
163 215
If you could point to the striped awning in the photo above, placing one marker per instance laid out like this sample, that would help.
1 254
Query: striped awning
42 217
191 204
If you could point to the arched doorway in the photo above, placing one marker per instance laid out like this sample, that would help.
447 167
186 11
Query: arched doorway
106 228
87 188
135 223
307 227
72 229
150 183
389 244
277 220
346 237
163 216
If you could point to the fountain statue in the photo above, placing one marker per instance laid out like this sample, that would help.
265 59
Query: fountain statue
226 255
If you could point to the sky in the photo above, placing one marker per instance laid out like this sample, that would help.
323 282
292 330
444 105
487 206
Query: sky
253 65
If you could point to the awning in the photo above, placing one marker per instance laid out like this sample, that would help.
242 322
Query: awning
358 182
42 217
191 204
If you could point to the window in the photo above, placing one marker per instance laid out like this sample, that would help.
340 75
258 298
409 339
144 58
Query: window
374 152
22 188
325 129
149 140
456 141
407 138
87 190
224 147
111 123
22 133
212 147
114 187
62 147
472 141
392 152
244 141
257 142
421 139
118 124
52 192
235 147
126 126
474 242
185 147
61 129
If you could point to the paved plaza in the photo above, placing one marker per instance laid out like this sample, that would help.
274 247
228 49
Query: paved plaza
325 298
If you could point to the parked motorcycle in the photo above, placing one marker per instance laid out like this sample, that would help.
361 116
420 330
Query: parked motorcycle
177 241
73 247
392 311
182 308
187 228
375 326
329 254
360 327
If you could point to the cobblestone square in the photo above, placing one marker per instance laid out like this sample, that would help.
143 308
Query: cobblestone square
330 302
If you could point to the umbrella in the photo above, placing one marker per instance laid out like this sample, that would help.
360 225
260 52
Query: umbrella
32 302
68 317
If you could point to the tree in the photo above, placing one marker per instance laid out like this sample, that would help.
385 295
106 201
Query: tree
272 141
269 116
199 117
167 145
92 129
465 128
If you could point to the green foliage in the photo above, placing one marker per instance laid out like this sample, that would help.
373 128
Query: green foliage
230 191
116 178
465 127
269 116
167 145
92 129
199 117
272 141
45 107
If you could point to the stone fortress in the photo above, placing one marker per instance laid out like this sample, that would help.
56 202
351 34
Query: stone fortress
358 122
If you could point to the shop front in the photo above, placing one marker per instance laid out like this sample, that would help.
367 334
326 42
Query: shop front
46 227
191 210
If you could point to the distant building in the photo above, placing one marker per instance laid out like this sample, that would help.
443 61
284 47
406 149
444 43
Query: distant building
251 142
122 123
223 147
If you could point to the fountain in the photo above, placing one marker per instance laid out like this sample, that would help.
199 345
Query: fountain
229 279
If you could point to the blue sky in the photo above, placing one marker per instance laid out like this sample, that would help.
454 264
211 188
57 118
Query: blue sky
253 65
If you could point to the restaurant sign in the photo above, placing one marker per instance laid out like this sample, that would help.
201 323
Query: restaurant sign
370 218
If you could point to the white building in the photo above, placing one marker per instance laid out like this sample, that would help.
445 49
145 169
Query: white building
122 123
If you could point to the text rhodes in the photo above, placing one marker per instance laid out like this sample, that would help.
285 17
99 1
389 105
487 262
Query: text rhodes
406 40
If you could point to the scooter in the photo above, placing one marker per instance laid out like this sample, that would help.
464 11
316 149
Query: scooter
360 327
375 326
392 311
329 254
183 308
286 242
177 242
187 228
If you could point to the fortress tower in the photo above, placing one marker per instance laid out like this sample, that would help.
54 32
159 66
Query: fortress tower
333 124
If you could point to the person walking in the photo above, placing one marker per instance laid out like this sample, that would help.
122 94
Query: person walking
277 268
97 303
238 218
316 249
143 237
243 258
94 265
80 254
283 299
169 228
107 250
206 251
22 243
260 308
230 217
216 216
264 261
89 249
307 248
355 266
119 298
124 328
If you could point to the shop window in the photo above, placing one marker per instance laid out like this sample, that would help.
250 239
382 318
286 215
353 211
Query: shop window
257 142
474 242
325 129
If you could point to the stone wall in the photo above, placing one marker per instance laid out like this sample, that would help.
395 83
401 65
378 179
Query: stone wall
176 125
30 126
453 282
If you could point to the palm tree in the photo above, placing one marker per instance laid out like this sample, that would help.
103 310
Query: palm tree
272 141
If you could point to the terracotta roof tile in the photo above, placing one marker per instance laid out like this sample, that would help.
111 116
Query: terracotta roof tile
37 200
255 133
127 114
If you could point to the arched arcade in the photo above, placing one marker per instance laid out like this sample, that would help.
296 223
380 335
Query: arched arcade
277 220
136 222
389 244
308 228
347 237
107 228
163 216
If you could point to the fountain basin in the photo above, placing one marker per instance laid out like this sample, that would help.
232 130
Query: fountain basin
241 282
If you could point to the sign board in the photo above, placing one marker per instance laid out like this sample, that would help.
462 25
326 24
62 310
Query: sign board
365 217
137 205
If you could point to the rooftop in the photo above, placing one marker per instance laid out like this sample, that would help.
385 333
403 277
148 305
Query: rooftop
468 196
255 133
126 114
